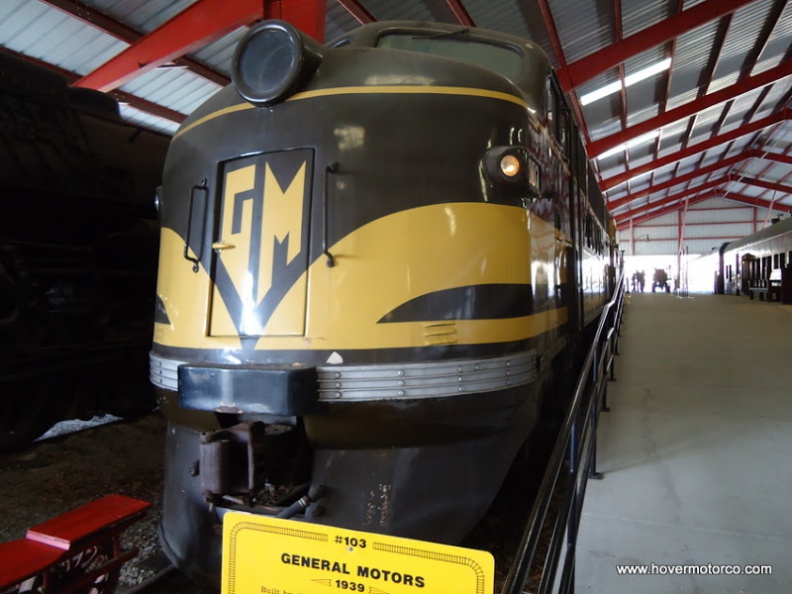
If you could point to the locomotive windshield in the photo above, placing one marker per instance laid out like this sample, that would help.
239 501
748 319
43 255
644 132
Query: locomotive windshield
458 46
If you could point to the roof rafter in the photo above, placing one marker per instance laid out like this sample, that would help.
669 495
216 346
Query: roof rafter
753 201
356 9
710 185
575 74
194 27
785 159
762 183
750 83
122 32
460 13
748 200
676 180
625 222
765 122
308 16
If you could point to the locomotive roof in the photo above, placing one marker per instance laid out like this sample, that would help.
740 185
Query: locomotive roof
534 69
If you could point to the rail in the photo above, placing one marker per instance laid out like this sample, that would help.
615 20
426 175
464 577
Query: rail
572 462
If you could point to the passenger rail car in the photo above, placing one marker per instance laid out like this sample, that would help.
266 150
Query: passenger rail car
755 261
78 253
377 260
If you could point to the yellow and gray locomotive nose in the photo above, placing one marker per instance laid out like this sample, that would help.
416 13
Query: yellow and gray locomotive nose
383 230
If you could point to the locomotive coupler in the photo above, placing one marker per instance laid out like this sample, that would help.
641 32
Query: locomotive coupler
240 460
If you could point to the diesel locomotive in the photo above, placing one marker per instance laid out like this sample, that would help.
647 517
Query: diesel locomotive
78 253
378 261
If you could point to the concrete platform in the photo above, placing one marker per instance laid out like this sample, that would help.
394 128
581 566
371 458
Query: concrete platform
696 451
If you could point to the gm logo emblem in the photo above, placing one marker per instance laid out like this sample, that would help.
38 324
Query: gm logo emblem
261 250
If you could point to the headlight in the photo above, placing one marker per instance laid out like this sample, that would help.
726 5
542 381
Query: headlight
272 61
511 166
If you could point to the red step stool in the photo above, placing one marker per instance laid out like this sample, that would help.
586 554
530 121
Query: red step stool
79 551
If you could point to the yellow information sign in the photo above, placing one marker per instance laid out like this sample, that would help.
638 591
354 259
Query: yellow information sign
263 555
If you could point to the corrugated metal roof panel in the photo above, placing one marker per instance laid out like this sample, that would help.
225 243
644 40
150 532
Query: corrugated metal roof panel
744 29
583 27
705 120
338 21
175 88
218 54
605 128
690 62
499 16
406 10
726 214
37 30
637 15
146 120
142 15
778 44
666 219
716 232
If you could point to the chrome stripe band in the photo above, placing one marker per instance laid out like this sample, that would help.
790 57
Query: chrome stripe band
164 373
425 380
402 380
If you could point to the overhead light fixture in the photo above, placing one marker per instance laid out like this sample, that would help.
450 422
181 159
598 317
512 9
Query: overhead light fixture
643 138
615 87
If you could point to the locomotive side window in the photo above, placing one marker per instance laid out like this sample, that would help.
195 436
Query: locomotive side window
563 130
558 120
498 58
550 105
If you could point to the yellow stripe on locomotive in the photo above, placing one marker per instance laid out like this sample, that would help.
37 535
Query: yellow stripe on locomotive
428 250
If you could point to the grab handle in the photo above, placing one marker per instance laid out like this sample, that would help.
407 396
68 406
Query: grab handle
205 189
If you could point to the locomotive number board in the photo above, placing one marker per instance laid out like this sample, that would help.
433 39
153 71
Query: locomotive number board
263 555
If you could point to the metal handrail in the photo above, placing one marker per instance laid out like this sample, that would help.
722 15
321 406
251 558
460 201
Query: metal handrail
570 446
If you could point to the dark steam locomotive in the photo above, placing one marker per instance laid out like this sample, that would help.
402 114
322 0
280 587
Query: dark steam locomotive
379 260
78 245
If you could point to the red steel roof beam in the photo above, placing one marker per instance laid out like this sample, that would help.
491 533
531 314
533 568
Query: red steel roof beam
623 222
308 16
356 9
763 38
785 159
460 13
664 101
676 197
197 25
585 69
731 92
761 183
122 32
770 120
752 201
623 90
682 179
712 65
